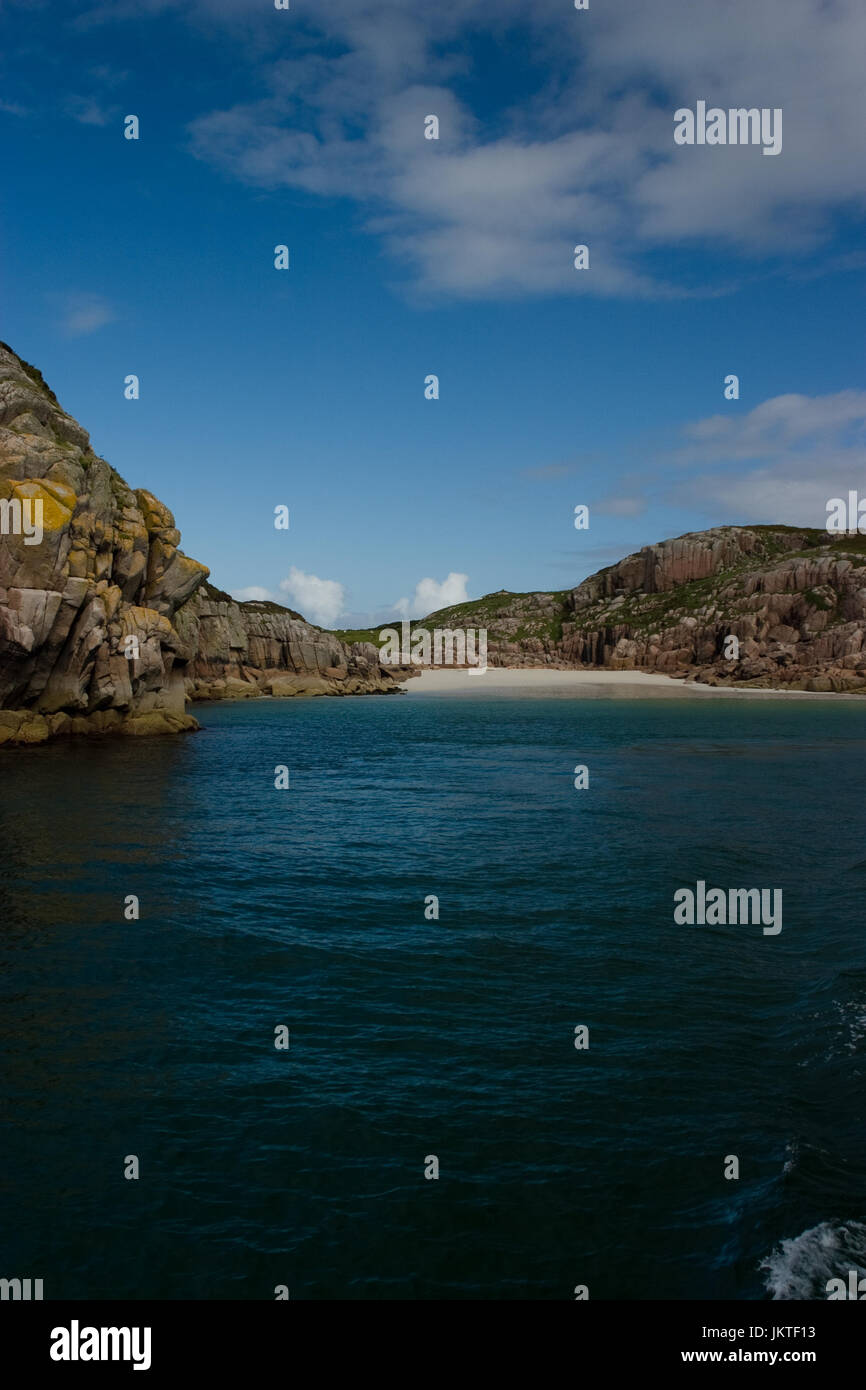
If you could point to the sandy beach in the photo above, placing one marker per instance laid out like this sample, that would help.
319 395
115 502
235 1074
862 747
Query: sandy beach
590 684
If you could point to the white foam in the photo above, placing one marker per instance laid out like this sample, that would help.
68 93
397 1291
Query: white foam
801 1266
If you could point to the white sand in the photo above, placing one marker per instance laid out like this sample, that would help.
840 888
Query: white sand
599 684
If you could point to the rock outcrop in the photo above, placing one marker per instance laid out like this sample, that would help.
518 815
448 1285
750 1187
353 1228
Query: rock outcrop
242 650
105 625
795 600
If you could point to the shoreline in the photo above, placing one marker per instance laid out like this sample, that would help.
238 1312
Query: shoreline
594 683
26 727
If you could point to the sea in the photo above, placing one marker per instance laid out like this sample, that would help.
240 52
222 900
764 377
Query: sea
506 1071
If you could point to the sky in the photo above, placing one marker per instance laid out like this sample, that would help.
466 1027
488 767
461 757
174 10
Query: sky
411 257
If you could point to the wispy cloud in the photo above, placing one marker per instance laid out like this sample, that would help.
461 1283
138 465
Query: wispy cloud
81 314
497 203
88 111
779 462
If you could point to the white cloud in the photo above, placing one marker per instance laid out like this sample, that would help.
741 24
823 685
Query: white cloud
764 497
497 203
780 462
81 314
776 426
320 600
430 596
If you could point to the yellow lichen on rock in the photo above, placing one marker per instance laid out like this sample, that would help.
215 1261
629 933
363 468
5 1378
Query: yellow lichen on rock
58 500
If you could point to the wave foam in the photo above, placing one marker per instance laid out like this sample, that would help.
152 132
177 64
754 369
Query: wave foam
801 1266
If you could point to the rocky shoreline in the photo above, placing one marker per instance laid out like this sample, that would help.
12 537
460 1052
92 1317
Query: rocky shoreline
105 625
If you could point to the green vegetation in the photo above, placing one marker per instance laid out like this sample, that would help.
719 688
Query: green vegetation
855 546
819 600
359 634
537 613
488 612
652 612
490 606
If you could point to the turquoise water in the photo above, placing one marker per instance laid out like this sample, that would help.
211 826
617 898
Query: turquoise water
454 1038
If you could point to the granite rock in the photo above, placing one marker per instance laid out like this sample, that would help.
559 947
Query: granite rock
107 578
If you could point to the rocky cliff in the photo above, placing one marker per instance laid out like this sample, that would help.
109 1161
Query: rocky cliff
105 625
241 650
795 600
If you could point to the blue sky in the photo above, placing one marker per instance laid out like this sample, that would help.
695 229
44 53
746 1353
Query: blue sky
408 257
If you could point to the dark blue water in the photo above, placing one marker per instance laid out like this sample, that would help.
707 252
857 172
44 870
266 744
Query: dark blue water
453 1037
